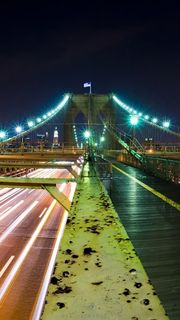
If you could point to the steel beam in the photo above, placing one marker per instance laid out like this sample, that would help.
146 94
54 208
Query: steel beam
39 183
59 196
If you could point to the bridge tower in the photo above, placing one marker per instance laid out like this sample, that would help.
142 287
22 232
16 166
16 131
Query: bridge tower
95 108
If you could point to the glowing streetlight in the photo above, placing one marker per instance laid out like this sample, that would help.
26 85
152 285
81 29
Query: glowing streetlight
87 134
18 129
134 120
102 139
30 124
2 134
154 120
38 120
166 124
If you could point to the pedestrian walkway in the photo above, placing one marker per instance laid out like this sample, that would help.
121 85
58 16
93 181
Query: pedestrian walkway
98 274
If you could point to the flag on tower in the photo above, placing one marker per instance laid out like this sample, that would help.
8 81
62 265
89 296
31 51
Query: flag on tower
87 84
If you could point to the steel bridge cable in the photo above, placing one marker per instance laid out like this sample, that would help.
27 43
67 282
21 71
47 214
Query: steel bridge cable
132 111
40 124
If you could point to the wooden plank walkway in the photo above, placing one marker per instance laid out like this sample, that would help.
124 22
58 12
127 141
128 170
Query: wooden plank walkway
154 229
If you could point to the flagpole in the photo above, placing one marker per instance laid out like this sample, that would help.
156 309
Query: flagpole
90 88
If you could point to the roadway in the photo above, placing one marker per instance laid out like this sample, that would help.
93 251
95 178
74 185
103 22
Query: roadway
31 227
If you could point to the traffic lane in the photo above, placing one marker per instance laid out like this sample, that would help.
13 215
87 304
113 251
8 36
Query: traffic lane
10 194
15 241
20 235
18 239
18 303
13 202
12 240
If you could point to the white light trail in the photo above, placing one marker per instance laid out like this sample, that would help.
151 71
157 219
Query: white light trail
4 190
25 251
31 191
36 313
42 212
6 266
2 216
73 188
12 199
4 211
17 221
8 194
40 302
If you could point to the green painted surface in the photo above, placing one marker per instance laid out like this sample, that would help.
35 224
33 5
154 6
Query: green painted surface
98 274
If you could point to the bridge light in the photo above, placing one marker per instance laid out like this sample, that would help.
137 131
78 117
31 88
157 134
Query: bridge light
49 114
146 117
44 116
140 114
38 120
154 120
18 129
87 134
2 134
166 124
134 120
30 124
102 139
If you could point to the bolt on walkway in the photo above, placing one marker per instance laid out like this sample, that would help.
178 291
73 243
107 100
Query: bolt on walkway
98 274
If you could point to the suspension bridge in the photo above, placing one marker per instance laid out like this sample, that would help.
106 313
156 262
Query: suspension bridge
89 213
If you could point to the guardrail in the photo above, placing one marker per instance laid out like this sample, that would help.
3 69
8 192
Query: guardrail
164 168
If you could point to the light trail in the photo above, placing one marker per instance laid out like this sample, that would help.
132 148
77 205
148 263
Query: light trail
42 212
6 266
42 294
10 210
5 211
17 221
8 194
24 253
31 191
36 312
12 199
73 188
18 263
4 190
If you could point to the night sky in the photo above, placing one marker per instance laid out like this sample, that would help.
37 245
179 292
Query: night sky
49 48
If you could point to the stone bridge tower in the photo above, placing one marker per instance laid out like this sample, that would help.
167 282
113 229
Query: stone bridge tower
94 108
